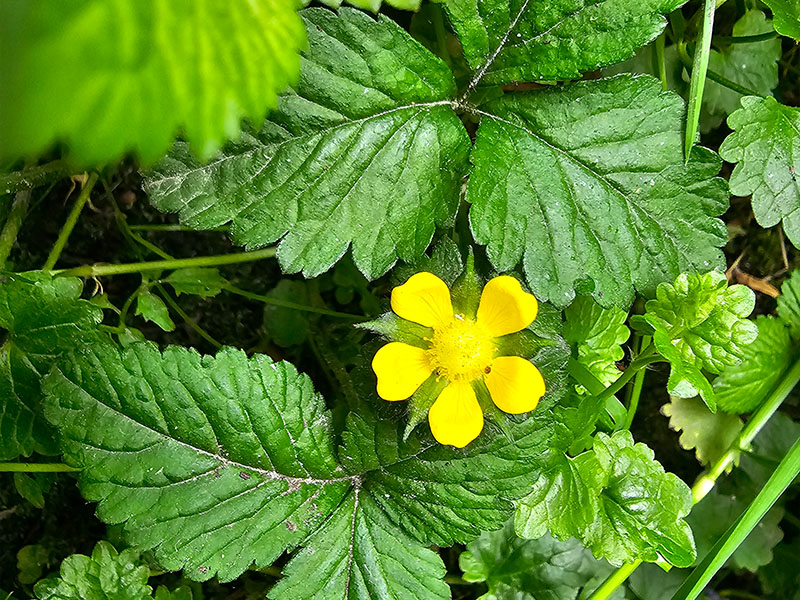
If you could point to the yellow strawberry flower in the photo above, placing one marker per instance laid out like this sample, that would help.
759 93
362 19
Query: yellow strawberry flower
463 352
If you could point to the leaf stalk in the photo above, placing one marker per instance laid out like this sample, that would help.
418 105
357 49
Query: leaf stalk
69 225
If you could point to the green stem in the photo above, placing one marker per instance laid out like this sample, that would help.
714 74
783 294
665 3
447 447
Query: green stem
34 176
98 270
286 304
69 225
18 467
14 221
616 579
171 228
698 80
706 482
122 225
123 313
635 391
189 321
648 357
661 61
747 39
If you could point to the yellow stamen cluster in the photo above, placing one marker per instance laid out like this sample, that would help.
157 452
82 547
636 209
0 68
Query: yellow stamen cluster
461 350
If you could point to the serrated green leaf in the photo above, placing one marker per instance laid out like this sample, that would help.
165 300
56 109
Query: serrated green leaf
617 500
153 309
712 516
216 463
198 65
741 388
708 434
104 574
522 40
700 323
598 334
789 304
365 152
43 317
545 568
595 190
787 17
359 554
765 144
199 281
753 65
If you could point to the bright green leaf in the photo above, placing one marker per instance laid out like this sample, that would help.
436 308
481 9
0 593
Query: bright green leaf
708 434
43 317
765 144
112 77
741 388
786 14
199 281
595 192
152 308
358 554
617 500
789 304
365 152
700 323
753 65
519 40
598 333
544 568
373 5
104 574
216 463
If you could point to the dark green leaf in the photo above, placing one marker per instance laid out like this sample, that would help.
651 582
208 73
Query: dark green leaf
700 323
288 326
789 304
366 151
616 499
358 554
43 317
152 308
520 40
104 574
595 190
787 17
31 561
765 144
203 282
32 486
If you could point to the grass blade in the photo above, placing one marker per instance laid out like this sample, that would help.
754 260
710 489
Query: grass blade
698 81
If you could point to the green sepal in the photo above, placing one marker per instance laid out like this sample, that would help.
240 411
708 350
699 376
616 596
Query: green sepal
466 291
420 403
395 329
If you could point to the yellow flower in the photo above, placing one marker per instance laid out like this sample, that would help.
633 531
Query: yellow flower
462 351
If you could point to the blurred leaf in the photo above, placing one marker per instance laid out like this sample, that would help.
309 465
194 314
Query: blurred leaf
789 304
203 282
708 434
152 308
288 326
112 77
700 323
596 195
598 333
765 144
31 562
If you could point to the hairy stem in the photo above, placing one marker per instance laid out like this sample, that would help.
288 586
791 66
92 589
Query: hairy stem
69 225
34 176
293 305
187 319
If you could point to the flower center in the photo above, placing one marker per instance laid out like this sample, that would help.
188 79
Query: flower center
461 351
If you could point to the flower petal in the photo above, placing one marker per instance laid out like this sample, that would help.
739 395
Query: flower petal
456 417
401 369
423 299
505 308
515 384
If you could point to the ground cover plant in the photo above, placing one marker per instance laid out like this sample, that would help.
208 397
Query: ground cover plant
463 299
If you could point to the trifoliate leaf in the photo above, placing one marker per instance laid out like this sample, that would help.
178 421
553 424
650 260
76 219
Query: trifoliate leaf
514 40
365 152
216 463
616 499
712 516
708 434
700 323
741 388
43 317
595 191
786 14
108 78
789 304
598 334
360 554
753 65
545 568
765 144
199 281
104 574
153 309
